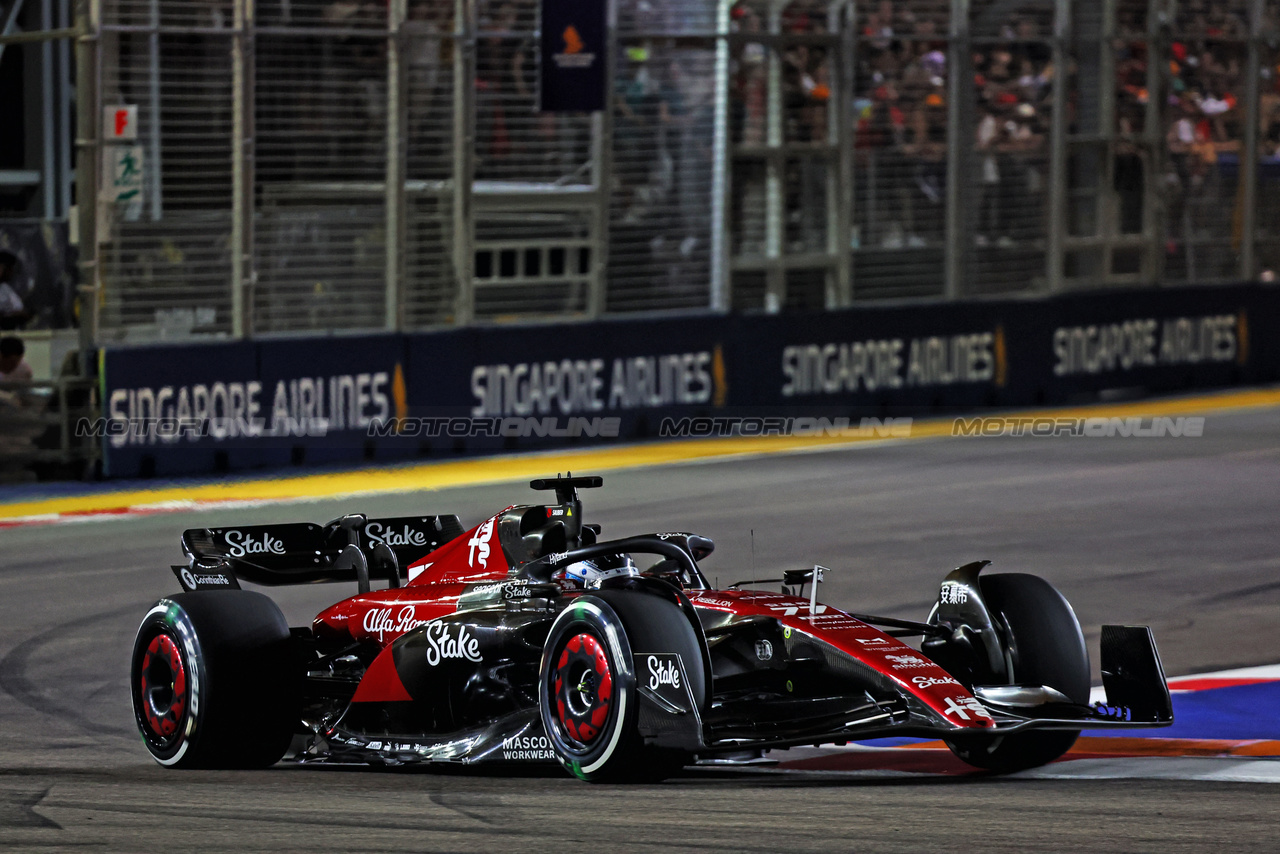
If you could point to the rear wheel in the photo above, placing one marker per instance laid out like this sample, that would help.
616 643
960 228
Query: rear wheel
1045 647
214 681
588 691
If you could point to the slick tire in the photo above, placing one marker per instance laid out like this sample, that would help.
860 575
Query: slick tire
215 681
587 685
1046 647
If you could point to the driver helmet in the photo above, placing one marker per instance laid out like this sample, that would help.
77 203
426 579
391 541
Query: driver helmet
591 574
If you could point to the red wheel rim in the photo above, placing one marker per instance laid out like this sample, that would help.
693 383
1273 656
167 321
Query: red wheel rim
583 688
164 689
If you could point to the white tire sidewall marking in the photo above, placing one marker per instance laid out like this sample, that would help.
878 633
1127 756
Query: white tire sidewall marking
161 608
616 649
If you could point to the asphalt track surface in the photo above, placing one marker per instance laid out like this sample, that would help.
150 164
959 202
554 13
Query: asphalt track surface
1180 534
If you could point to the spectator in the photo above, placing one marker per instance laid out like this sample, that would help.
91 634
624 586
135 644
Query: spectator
13 309
551 160
17 432
989 208
928 146
13 367
644 106
430 87
1269 120
498 65
750 128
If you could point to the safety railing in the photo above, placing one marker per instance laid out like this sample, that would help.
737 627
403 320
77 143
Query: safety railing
271 167
49 429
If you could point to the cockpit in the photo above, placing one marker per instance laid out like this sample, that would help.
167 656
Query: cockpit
551 541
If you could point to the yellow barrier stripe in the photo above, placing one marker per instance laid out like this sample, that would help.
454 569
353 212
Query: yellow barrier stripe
483 470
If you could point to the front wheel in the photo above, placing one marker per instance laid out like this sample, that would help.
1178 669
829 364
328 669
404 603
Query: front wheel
588 694
214 681
1045 647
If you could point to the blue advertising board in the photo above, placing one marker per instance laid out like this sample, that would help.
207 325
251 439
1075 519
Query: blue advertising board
324 393
181 409
547 385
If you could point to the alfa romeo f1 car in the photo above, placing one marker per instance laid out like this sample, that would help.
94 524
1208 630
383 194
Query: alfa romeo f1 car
530 639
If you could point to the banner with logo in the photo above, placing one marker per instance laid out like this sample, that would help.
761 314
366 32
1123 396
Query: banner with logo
555 384
1156 340
320 396
182 409
574 57
904 358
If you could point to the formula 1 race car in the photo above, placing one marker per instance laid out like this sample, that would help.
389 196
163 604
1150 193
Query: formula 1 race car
528 639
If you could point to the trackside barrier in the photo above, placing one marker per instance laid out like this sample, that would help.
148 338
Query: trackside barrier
37 437
182 409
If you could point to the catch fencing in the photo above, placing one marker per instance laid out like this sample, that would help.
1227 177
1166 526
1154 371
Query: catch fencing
283 166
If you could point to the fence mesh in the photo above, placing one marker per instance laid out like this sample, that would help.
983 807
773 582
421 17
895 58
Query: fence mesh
1009 173
1268 214
660 205
430 291
166 266
1204 77
900 145
775 148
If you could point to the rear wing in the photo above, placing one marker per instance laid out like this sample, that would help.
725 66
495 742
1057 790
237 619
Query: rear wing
352 548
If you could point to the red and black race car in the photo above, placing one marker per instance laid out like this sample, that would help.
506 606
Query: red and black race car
529 639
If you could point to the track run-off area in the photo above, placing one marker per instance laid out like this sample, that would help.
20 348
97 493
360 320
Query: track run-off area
1178 533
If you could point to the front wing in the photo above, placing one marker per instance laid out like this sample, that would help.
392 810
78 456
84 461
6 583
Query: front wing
1137 696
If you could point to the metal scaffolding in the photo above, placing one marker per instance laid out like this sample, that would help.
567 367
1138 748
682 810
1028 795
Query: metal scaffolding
335 165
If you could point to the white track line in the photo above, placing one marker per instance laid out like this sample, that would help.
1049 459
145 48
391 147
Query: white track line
1266 671
1226 769
1221 769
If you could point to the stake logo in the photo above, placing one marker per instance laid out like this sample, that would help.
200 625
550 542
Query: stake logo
930 681
444 644
661 673
379 533
239 544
